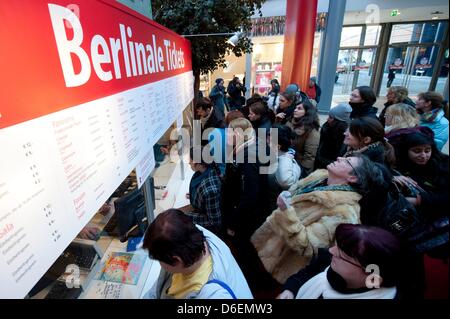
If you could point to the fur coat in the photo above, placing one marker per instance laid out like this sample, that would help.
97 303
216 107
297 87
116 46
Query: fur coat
288 239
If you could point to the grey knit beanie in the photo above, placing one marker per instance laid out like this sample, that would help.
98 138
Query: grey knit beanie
292 88
341 112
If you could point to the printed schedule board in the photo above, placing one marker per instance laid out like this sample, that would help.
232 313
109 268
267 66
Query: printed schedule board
87 89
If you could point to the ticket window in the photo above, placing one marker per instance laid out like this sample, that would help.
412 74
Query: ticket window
90 267
122 218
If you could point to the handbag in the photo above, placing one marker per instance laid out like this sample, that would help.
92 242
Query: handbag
419 234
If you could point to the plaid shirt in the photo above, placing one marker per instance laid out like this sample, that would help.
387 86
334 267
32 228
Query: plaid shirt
207 202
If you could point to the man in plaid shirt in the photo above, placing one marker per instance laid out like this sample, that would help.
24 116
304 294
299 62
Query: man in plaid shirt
205 196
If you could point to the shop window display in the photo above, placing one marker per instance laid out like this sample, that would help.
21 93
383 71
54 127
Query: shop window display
266 71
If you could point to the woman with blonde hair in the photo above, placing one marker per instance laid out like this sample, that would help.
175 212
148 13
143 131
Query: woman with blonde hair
400 116
395 95
245 196
401 120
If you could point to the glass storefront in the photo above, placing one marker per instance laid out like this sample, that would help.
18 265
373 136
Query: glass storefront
356 59
413 57
354 68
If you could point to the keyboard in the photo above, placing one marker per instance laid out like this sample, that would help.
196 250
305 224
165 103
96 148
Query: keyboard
84 256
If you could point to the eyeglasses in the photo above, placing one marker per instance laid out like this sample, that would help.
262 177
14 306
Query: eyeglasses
348 261
349 163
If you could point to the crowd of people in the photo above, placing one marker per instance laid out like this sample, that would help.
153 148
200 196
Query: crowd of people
330 220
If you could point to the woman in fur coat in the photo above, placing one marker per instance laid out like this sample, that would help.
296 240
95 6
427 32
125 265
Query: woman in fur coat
309 213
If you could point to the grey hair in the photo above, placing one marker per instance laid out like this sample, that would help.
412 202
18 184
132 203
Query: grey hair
371 176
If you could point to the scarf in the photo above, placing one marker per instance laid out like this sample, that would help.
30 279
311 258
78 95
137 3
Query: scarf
320 286
296 122
429 116
362 109
351 152
321 186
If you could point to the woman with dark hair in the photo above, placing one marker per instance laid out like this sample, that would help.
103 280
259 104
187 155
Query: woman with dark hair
204 192
273 99
364 264
236 90
305 124
430 108
195 263
424 183
259 115
332 135
365 135
426 169
286 107
362 100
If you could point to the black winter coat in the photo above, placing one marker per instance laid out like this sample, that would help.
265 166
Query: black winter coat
363 109
245 200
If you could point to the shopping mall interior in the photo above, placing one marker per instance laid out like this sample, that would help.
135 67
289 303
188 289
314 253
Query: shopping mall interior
101 120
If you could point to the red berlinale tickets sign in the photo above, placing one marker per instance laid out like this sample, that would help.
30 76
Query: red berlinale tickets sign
58 54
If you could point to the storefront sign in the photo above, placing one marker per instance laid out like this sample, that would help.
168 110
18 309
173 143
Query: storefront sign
423 66
396 67
86 93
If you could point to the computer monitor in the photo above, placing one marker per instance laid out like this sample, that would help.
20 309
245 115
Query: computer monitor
130 212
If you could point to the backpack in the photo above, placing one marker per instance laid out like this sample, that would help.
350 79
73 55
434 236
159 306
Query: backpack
417 233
